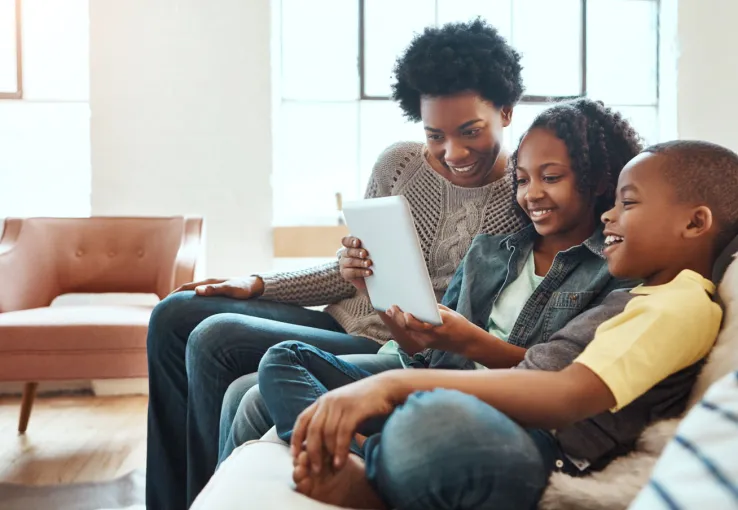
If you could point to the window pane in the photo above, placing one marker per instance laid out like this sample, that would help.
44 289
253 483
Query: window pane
56 55
389 26
316 156
548 34
381 125
622 69
8 54
496 12
320 49
523 116
44 159
644 119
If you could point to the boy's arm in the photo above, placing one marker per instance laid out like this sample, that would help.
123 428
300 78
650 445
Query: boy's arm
533 398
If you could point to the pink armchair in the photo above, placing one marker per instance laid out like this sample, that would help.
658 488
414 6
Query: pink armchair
43 258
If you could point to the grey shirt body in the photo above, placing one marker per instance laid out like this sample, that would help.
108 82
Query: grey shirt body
601 438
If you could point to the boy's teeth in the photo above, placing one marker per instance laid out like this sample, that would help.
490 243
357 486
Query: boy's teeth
613 239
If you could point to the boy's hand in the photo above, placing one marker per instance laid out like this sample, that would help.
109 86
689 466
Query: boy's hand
454 335
330 423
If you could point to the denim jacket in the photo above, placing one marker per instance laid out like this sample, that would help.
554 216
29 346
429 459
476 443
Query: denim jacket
578 280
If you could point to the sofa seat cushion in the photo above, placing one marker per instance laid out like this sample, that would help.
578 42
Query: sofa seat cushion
258 476
73 328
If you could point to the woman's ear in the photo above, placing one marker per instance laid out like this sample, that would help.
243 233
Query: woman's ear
507 113
700 222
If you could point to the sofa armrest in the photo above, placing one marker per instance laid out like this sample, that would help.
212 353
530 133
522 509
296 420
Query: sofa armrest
24 271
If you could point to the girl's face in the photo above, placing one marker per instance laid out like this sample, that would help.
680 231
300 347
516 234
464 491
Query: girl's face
464 133
547 188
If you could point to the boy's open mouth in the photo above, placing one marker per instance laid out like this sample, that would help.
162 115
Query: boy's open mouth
612 240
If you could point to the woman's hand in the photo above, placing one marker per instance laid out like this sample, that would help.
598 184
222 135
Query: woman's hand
237 288
354 262
454 335
330 423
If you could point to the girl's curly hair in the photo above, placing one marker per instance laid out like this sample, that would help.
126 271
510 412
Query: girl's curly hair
599 140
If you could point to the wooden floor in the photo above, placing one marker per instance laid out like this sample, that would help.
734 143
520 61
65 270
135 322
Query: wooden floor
73 439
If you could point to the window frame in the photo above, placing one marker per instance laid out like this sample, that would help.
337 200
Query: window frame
18 93
526 99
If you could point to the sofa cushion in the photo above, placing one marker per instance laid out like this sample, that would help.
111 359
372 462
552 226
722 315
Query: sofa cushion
258 476
73 328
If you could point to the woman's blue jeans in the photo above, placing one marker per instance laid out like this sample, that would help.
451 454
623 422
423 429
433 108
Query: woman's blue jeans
440 450
197 346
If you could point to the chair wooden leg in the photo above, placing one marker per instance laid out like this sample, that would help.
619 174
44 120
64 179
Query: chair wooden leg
29 393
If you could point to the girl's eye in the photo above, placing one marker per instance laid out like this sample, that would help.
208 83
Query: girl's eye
471 132
627 203
551 178
521 181
434 137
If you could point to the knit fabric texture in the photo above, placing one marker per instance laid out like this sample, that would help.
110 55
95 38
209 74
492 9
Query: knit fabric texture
447 217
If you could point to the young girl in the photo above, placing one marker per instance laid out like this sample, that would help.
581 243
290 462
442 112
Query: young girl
510 292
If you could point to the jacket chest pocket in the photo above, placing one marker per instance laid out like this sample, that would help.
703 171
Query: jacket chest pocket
562 308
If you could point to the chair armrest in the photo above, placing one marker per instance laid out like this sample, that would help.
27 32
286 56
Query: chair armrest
24 271
184 264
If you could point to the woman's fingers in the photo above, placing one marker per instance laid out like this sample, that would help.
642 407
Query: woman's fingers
351 242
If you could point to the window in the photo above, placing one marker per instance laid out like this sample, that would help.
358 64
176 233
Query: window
11 76
334 60
45 137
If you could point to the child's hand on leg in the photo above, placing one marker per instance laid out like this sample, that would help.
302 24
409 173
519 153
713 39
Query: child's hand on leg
331 422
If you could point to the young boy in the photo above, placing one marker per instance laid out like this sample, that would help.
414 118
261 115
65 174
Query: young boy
491 438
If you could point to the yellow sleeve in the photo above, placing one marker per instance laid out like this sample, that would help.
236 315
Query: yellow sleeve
654 337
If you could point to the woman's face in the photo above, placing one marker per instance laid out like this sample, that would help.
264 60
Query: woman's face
464 133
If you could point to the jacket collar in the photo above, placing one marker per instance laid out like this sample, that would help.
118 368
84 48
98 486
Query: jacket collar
526 236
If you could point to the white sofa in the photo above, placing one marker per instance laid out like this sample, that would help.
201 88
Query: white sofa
258 475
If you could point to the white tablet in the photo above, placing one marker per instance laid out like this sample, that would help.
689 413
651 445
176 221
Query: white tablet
400 277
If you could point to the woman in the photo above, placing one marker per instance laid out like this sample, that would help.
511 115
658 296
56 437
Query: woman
462 81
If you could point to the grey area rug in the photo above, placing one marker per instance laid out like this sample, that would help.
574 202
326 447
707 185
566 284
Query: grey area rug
126 492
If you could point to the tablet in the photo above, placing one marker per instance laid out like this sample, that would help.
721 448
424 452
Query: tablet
400 277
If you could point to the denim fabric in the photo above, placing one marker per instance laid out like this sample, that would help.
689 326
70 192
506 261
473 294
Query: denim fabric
197 346
245 416
578 280
293 375
440 450
449 450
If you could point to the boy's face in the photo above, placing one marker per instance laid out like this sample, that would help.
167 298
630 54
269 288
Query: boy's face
645 228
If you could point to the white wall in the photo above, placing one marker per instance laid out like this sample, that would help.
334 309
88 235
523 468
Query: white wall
180 98
707 71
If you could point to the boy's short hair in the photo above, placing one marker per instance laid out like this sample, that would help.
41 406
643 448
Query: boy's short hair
707 173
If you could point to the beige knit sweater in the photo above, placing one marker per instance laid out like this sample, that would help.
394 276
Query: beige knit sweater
446 216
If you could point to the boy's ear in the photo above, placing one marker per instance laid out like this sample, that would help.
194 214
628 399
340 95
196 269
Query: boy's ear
700 222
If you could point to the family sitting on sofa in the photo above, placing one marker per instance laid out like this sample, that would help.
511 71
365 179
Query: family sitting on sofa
574 276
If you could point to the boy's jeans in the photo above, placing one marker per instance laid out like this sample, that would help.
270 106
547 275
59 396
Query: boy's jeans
440 450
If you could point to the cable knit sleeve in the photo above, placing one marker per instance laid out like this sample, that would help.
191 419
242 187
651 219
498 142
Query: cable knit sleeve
323 285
